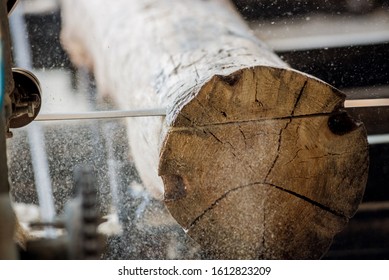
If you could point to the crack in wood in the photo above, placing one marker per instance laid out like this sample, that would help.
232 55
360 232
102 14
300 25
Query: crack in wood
311 201
302 197
259 103
214 136
299 97
244 136
285 128
179 128
295 156
198 218
278 149
222 142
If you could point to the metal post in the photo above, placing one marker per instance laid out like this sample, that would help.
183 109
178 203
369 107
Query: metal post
34 130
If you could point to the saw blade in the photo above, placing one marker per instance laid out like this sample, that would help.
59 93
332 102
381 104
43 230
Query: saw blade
154 112
101 115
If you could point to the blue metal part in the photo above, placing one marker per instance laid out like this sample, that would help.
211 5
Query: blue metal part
2 88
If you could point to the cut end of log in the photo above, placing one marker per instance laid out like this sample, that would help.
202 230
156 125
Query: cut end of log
257 162
255 94
263 162
282 226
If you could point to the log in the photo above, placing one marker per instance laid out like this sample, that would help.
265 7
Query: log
257 160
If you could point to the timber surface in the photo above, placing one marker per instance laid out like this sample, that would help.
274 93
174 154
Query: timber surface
239 119
361 70
256 166
351 241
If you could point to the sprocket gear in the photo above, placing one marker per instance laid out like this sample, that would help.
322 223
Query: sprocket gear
82 217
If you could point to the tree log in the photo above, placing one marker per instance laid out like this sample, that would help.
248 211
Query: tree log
257 160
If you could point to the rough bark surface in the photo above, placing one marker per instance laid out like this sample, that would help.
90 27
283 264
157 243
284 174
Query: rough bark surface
257 160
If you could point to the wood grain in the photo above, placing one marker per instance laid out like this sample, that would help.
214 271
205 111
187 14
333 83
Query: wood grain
257 160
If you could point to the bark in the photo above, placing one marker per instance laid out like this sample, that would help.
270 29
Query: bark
257 160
